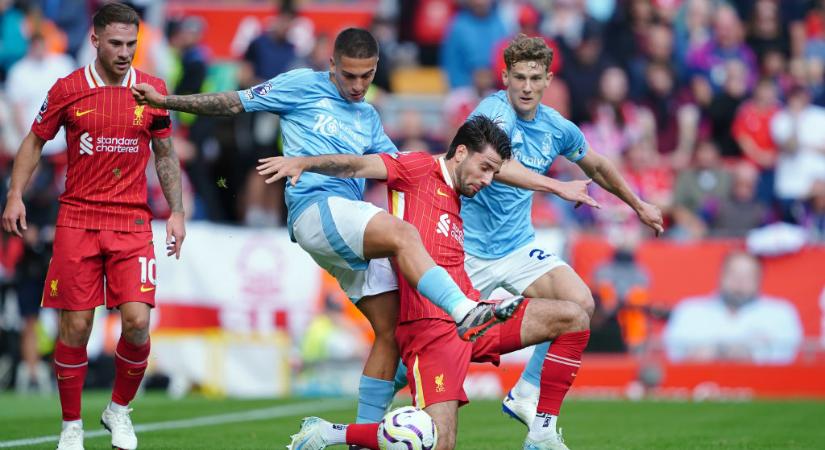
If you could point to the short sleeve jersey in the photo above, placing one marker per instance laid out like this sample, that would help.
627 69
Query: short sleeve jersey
421 192
497 219
317 120
108 136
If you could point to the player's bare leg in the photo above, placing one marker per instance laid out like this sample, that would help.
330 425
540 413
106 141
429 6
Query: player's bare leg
560 282
445 416
131 359
568 325
376 387
388 236
71 364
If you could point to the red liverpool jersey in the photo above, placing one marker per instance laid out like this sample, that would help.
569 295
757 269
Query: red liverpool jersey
107 136
421 191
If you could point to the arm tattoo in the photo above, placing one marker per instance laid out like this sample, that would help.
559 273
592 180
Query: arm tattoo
215 104
339 166
168 168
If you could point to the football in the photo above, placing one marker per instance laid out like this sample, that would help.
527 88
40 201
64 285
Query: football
407 428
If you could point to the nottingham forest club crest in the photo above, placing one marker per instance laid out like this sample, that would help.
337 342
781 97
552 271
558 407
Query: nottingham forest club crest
138 115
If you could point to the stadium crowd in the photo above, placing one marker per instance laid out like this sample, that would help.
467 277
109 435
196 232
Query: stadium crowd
713 110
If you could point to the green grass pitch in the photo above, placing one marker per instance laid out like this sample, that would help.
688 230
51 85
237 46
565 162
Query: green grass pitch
200 423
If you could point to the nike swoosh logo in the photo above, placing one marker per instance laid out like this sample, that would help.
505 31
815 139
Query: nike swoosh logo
136 373
439 192
61 377
79 113
146 289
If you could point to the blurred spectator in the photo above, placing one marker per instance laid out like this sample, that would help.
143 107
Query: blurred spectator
411 136
582 70
812 215
628 34
724 105
799 133
41 197
618 122
271 53
657 50
470 39
191 58
12 38
28 83
727 44
318 58
752 125
425 22
621 288
774 66
697 190
73 17
692 26
460 102
387 36
736 324
766 30
740 211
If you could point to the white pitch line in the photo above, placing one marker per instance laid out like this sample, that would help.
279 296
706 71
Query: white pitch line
243 416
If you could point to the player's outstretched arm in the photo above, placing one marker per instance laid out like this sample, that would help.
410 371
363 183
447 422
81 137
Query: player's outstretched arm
168 168
28 156
211 104
605 174
340 166
515 174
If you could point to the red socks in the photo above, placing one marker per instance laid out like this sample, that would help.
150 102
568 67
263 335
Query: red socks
130 364
364 435
559 370
70 366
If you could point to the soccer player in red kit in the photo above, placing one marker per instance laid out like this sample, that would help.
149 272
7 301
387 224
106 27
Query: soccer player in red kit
426 191
103 235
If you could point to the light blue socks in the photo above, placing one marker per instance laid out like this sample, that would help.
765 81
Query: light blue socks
374 397
532 372
437 285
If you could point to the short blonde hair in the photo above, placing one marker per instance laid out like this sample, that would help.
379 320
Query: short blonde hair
524 48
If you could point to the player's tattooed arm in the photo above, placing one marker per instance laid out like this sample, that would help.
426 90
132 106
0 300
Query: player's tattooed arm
213 104
340 166
168 168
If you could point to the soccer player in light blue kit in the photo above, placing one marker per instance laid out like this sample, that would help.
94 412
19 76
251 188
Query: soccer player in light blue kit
324 113
499 236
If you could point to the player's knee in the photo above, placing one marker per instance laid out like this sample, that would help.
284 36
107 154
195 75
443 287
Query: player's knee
75 329
404 235
584 298
135 323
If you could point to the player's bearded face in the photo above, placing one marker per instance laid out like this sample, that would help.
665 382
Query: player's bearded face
525 82
475 170
116 45
353 76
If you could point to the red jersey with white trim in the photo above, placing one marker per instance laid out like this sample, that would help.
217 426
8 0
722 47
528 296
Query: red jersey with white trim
107 136
421 192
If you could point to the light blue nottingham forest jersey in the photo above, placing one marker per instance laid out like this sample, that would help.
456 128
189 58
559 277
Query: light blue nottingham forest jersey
497 220
316 120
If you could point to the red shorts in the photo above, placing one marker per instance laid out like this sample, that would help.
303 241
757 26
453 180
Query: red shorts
437 359
83 258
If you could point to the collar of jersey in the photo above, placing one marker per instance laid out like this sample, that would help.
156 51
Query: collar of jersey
445 173
94 79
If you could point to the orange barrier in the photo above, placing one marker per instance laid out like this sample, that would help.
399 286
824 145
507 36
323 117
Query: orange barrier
680 270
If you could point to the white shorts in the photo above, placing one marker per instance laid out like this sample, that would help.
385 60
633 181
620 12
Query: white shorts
332 232
514 272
